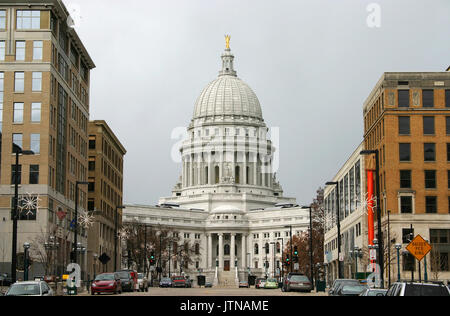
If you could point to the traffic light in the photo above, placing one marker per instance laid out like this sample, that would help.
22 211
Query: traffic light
288 261
152 258
295 251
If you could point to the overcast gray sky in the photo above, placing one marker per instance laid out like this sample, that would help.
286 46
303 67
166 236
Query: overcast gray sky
311 63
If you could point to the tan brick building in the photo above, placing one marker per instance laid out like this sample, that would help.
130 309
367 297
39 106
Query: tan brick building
44 87
407 118
105 193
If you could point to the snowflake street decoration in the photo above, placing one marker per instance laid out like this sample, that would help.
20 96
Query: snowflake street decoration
28 204
86 220
123 233
367 201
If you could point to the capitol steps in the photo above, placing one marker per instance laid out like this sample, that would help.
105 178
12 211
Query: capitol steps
227 279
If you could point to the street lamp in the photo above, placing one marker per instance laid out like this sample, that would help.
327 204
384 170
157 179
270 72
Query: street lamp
282 257
310 243
356 253
26 246
273 256
75 240
398 247
95 263
52 245
377 195
290 236
18 151
115 234
376 247
338 227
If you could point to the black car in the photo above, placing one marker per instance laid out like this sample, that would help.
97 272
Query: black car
166 282
126 280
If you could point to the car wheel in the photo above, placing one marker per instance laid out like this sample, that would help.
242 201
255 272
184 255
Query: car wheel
92 293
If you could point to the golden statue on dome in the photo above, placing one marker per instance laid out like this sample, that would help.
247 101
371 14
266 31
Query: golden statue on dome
227 40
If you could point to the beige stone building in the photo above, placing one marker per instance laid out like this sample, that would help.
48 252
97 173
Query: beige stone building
44 106
105 194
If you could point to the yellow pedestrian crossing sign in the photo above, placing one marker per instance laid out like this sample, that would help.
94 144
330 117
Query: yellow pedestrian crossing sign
419 247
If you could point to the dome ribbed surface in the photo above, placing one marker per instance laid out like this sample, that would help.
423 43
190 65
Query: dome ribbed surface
228 95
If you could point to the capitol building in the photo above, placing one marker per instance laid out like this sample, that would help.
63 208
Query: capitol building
227 202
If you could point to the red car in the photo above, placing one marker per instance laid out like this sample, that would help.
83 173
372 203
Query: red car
106 283
179 281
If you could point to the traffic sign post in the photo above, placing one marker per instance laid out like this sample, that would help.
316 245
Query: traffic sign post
419 248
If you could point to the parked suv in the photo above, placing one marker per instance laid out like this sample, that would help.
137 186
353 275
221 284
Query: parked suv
179 281
296 282
418 289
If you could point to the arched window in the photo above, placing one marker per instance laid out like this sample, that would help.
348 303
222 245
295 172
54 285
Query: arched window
256 249
237 174
217 250
267 248
278 247
197 249
216 171
206 175
248 175
226 250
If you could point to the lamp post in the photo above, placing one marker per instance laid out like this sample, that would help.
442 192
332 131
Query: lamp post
340 275
377 195
95 264
75 239
26 246
18 151
115 234
389 249
290 236
425 273
357 252
398 247
375 247
273 258
310 243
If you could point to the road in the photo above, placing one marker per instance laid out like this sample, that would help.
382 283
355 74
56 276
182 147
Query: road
216 292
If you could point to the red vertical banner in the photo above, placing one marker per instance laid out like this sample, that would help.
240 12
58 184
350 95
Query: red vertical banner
370 199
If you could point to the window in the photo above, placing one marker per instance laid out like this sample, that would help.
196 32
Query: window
256 249
37 81
405 179
447 125
429 150
19 81
409 262
405 151
403 98
37 50
34 174
2 19
27 19
448 179
17 140
407 235
406 206
431 204
404 125
35 143
92 142
13 174
35 112
448 151
428 98
447 98
2 50
18 113
20 50
428 125
430 179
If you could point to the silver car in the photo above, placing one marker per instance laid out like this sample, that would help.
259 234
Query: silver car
30 288
143 282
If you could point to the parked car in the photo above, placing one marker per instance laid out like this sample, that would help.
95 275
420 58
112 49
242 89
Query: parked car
166 282
271 284
5 280
188 282
179 281
142 282
296 282
339 282
126 280
351 289
259 284
418 289
244 284
107 283
30 288
208 284
373 292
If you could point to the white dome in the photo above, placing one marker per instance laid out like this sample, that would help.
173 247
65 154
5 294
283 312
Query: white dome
226 209
228 95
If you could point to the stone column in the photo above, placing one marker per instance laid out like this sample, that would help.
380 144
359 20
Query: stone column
255 170
191 170
209 252
244 251
244 174
232 253
220 251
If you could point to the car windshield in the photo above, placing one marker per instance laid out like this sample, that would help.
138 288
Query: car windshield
24 289
425 290
124 275
166 280
140 275
353 288
272 280
104 277
299 278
